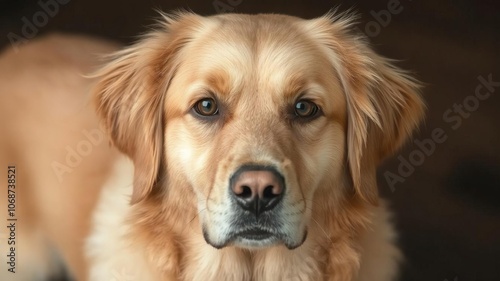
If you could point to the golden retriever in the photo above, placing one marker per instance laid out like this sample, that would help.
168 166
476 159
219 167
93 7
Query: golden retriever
248 148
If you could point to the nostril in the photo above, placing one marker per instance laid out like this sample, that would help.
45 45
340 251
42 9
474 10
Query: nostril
269 192
246 192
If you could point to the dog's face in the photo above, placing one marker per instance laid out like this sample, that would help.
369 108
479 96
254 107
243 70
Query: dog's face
255 114
255 120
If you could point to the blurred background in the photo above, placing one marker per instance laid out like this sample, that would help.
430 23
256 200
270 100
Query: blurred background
444 186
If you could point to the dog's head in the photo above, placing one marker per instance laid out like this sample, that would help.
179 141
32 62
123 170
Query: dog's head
253 114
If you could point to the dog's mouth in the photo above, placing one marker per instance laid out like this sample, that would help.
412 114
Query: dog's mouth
255 238
255 234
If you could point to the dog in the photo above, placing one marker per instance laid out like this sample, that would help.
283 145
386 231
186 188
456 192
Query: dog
231 147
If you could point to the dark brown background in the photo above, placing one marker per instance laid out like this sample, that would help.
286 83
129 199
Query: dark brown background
448 209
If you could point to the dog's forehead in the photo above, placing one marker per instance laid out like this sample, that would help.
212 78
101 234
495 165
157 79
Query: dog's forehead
258 51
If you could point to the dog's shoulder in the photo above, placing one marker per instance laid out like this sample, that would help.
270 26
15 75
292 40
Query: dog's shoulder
110 255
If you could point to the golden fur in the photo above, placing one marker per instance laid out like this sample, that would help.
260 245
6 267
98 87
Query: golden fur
159 215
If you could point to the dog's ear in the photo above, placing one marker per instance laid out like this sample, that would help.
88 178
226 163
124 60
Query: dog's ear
130 93
384 105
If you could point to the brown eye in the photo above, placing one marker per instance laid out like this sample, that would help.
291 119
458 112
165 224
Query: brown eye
206 107
305 108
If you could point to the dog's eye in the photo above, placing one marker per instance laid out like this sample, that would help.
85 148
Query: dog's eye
305 108
206 107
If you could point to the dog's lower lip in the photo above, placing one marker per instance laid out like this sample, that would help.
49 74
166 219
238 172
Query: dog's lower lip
255 234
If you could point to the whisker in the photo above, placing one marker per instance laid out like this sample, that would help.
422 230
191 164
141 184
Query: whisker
324 232
191 220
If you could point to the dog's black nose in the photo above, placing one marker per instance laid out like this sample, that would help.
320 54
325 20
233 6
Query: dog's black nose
257 188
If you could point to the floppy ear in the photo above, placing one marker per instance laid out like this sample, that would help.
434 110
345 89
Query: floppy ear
129 98
383 102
